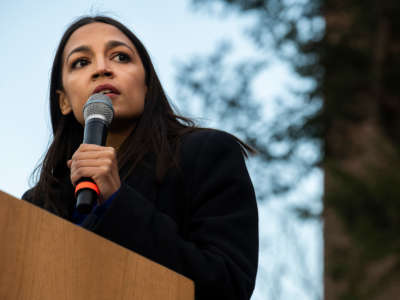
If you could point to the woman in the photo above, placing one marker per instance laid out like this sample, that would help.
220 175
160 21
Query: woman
176 194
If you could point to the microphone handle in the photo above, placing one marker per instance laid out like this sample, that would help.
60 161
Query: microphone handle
85 199
95 132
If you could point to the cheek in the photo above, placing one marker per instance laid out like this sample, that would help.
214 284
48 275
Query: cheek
76 98
77 111
77 107
141 98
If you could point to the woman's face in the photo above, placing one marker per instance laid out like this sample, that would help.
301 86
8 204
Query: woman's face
98 57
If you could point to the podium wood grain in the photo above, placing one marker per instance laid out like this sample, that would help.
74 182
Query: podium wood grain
45 257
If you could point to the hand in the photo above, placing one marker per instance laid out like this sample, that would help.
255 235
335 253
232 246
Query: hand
100 164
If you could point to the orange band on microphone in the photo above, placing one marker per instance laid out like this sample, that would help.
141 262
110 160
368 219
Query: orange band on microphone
87 185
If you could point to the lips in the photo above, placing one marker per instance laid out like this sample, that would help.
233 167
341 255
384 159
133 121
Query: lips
106 89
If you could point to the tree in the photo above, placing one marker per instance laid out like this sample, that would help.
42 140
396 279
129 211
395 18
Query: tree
349 115
226 90
290 141
361 100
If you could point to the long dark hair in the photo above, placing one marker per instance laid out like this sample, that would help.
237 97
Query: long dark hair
157 133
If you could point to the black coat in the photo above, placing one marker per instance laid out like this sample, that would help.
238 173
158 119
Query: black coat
201 221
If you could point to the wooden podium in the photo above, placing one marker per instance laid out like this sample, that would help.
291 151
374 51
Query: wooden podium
45 257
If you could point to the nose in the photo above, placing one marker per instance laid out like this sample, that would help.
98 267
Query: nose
105 73
102 70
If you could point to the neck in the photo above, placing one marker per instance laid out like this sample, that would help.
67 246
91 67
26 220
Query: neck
116 136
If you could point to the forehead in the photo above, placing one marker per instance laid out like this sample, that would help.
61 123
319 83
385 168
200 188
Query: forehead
95 34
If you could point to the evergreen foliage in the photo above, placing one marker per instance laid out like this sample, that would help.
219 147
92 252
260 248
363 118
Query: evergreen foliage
347 115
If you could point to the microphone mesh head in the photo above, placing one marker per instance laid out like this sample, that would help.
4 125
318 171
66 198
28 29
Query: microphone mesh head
99 104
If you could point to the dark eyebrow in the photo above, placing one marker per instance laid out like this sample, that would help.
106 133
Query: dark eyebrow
113 44
78 49
109 46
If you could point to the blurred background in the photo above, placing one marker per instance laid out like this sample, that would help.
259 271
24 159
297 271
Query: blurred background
262 70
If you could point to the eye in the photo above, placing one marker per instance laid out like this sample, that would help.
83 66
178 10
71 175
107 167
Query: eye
79 63
122 57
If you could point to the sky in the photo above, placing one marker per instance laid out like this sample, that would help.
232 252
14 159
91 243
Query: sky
170 30
29 34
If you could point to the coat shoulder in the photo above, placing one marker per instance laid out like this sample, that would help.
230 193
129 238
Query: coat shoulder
213 139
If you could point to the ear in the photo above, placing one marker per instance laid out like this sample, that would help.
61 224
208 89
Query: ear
64 103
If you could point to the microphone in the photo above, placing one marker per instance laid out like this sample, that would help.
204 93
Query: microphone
98 114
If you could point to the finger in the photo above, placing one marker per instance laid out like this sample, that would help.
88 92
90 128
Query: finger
79 173
92 172
95 162
81 156
94 153
92 147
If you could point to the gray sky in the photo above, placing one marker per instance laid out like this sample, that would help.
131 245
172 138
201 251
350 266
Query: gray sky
29 34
